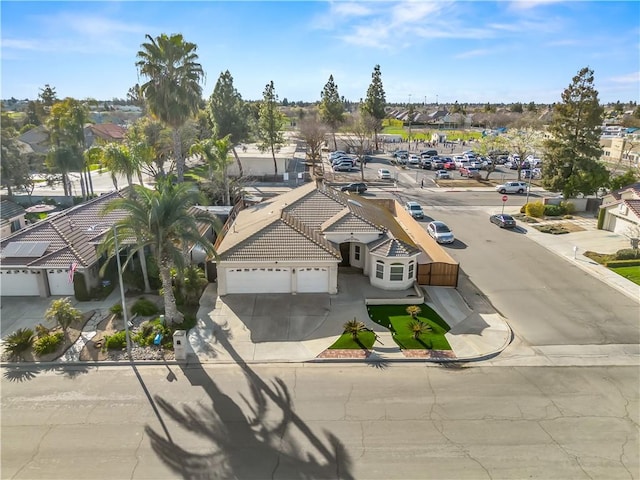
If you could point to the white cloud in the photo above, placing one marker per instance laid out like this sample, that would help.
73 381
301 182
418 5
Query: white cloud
530 4
350 9
480 52
629 78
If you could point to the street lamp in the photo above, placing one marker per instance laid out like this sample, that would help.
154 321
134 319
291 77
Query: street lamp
409 114
124 305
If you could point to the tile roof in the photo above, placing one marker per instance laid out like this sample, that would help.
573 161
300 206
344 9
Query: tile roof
264 231
108 131
392 247
10 210
71 235
617 194
634 205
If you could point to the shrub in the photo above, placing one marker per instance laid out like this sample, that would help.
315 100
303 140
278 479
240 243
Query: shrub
63 313
622 263
116 309
41 330
601 214
117 341
144 308
627 254
48 343
552 210
568 207
534 209
19 341
80 288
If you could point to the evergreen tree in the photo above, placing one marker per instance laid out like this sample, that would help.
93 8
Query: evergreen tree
228 114
331 108
270 124
376 102
48 95
571 156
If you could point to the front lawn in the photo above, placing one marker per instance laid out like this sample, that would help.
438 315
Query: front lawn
630 273
346 341
396 319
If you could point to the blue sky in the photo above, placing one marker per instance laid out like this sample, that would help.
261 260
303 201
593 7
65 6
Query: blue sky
444 50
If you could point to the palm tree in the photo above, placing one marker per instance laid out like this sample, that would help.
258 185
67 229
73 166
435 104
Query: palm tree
417 328
172 92
354 328
413 310
216 154
162 220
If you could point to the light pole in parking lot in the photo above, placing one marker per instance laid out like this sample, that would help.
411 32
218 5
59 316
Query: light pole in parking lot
409 112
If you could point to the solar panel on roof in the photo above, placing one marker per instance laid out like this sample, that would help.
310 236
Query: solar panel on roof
25 249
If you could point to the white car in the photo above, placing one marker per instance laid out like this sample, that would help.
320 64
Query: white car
414 209
414 160
512 187
384 174
440 232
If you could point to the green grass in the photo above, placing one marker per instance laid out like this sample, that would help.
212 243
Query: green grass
396 317
630 273
199 173
346 342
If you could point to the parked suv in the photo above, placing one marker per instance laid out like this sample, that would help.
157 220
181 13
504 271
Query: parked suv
512 187
414 209
354 187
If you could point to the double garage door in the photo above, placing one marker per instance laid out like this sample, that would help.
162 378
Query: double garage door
277 280
24 283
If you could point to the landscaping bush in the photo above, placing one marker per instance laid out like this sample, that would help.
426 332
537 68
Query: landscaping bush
627 254
568 207
48 343
116 309
601 214
117 341
622 263
19 341
144 308
80 288
553 210
534 209
553 229
41 330
601 258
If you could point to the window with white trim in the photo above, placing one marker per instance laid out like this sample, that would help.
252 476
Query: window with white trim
356 252
379 269
397 272
410 275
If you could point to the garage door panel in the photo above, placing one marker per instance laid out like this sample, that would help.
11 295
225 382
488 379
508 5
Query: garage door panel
258 280
312 280
18 283
59 282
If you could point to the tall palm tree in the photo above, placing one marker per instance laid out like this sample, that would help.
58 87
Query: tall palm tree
172 92
216 154
161 219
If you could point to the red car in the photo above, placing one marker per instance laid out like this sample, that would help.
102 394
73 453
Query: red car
450 165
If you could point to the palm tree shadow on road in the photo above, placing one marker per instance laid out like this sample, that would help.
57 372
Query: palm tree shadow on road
266 439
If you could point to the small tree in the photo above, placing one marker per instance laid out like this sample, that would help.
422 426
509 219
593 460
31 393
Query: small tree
376 102
270 124
417 328
63 313
414 310
354 328
18 342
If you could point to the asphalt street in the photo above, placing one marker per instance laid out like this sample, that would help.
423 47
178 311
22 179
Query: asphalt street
353 421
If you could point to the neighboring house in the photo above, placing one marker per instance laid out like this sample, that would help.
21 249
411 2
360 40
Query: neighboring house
35 140
622 210
257 163
621 151
103 133
12 218
295 243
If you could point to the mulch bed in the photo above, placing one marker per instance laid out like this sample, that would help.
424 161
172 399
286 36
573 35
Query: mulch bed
344 353
435 354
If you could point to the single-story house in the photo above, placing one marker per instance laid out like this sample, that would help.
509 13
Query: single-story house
11 218
105 132
622 210
257 164
36 261
296 242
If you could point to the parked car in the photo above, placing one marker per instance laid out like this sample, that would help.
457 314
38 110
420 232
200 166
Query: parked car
400 153
443 174
429 153
437 163
414 160
469 172
384 174
512 187
414 209
503 220
354 187
343 167
342 158
440 232
425 163
336 154
450 165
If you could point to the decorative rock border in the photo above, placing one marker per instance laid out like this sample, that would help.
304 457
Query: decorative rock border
344 353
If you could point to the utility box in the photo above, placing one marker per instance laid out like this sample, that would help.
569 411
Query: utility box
180 344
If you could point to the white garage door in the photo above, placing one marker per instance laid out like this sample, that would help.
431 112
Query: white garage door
258 280
59 282
621 226
313 280
19 283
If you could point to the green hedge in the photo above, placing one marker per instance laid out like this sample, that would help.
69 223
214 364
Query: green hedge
601 214
628 254
622 263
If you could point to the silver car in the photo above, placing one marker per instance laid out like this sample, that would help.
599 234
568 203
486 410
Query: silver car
440 232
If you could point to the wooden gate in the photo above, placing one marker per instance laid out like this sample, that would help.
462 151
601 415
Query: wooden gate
438 274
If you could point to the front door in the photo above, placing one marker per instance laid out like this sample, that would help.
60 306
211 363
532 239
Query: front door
345 248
